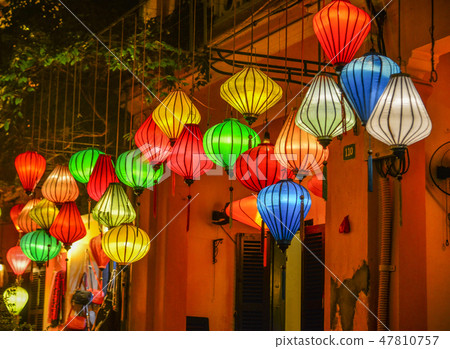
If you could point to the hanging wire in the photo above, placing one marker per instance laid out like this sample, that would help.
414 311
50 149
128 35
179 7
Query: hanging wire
267 65
302 52
160 48
132 83
251 35
143 72
32 120
56 111
65 107
179 38
433 74
107 93
73 103
40 110
193 50
399 36
94 107
208 117
48 112
120 93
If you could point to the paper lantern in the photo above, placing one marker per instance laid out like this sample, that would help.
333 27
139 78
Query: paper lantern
315 186
39 246
251 92
134 170
14 214
30 167
175 111
68 226
24 221
152 142
17 260
341 29
280 207
60 186
188 158
99 255
15 299
324 112
364 80
125 244
297 150
114 208
102 175
246 212
81 164
399 118
224 142
44 213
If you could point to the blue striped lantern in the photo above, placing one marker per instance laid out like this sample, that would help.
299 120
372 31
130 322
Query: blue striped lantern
282 207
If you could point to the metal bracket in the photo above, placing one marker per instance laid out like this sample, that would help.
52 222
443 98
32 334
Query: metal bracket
383 267
216 244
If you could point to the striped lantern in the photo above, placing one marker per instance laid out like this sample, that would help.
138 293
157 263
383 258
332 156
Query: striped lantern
102 175
14 214
26 224
44 213
17 260
39 246
68 226
60 186
81 164
30 167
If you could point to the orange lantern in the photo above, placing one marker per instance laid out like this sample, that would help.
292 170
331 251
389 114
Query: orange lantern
246 212
60 186
68 226
30 167
14 214
24 221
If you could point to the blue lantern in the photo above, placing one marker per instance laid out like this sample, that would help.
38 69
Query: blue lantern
280 206
364 80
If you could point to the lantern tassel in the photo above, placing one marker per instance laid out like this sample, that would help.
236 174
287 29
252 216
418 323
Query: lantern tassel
400 204
370 172
89 213
325 181
155 199
189 197
263 237
231 206
302 218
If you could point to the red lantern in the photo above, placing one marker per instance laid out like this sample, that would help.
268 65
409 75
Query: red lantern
102 175
315 186
152 142
246 212
60 186
341 29
17 260
68 226
24 221
99 255
30 167
14 214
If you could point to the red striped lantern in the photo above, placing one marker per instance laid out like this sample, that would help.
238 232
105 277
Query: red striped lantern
17 260
68 227
60 186
24 221
99 255
315 186
14 214
30 167
102 175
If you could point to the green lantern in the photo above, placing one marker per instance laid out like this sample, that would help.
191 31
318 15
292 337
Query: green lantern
15 299
39 246
224 142
134 170
82 163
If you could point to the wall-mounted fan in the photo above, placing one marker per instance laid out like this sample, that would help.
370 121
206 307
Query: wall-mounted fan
440 168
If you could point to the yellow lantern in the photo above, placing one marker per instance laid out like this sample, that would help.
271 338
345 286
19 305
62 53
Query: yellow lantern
15 299
44 213
251 92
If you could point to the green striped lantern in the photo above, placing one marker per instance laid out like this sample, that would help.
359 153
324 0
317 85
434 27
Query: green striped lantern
135 171
224 142
40 246
82 164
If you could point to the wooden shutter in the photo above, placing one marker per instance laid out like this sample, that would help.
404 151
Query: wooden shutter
37 298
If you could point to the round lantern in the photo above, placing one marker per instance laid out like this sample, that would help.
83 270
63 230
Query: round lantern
15 299
99 255
134 170
174 112
24 221
17 260
14 214
39 246
324 112
102 175
224 142
81 164
246 212
44 213
341 29
125 244
60 186
152 142
251 93
280 206
30 167
68 226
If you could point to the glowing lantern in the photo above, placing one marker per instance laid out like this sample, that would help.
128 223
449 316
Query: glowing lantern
341 29
324 112
315 186
246 212
224 142
15 299
14 214
17 260
81 164
99 255
68 226
60 186
39 246
30 167
44 213
102 175
175 111
281 206
251 93
152 142
134 170
24 221
125 244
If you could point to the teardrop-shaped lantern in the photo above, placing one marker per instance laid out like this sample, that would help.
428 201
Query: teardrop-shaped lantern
14 214
324 112
175 111
188 158
134 170
125 244
24 221
297 150
60 186
224 142
39 246
114 208
152 142
81 164
364 80
315 186
341 29
17 260
68 226
280 206
251 92
30 167
399 118
102 175
15 299
246 212
99 255
44 213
